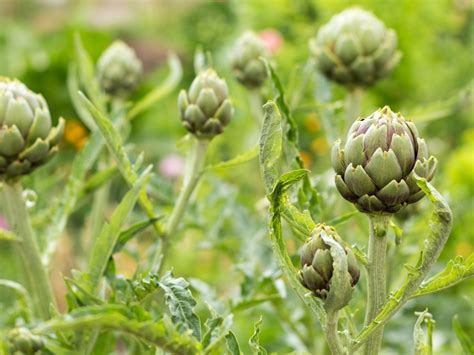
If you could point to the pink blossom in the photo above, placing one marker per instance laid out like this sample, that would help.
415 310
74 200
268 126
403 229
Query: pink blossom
3 223
171 166
272 39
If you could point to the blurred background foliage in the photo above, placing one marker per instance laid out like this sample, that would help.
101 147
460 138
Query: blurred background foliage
225 251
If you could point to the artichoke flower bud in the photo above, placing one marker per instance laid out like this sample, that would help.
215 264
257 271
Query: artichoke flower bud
27 138
248 69
205 108
376 168
119 70
355 48
319 264
22 341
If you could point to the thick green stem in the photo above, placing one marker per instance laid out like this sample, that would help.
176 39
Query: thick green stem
35 274
332 337
353 104
198 158
376 283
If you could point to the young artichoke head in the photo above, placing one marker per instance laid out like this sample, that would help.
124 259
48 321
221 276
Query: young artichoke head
27 138
355 48
248 69
205 109
119 70
318 264
22 341
376 168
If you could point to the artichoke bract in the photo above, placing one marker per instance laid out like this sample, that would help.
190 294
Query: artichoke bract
317 262
27 138
355 48
248 69
119 70
22 341
376 168
205 109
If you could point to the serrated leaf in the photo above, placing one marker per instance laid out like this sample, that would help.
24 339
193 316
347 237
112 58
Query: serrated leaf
161 91
254 341
181 304
271 144
456 271
114 144
104 245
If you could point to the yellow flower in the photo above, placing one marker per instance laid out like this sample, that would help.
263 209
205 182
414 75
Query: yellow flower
75 133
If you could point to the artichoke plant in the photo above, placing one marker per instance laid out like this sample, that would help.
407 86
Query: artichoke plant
248 69
27 138
376 168
205 109
119 70
317 262
355 48
22 341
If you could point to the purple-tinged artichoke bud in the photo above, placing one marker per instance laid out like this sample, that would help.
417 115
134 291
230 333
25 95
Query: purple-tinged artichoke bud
27 138
205 108
248 69
119 70
355 48
376 168
318 265
22 341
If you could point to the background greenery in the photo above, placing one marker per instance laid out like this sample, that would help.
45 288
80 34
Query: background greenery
225 251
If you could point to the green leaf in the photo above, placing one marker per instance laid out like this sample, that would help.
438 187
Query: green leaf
239 159
232 344
114 144
181 304
466 341
161 91
120 318
132 231
73 91
423 346
23 297
271 143
337 221
104 245
254 340
455 272
250 303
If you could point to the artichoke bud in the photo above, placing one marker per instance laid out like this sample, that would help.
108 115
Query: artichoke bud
376 168
205 108
355 48
321 271
22 341
27 138
119 70
248 69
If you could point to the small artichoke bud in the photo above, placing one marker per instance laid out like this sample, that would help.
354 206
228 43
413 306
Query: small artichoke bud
355 48
22 341
248 69
318 266
119 70
27 138
205 108
376 168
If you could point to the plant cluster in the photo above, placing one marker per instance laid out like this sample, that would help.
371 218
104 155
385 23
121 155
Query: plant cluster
382 168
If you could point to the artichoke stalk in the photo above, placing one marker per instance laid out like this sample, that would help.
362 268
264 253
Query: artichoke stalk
376 168
205 108
247 66
119 70
318 265
355 48
27 138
